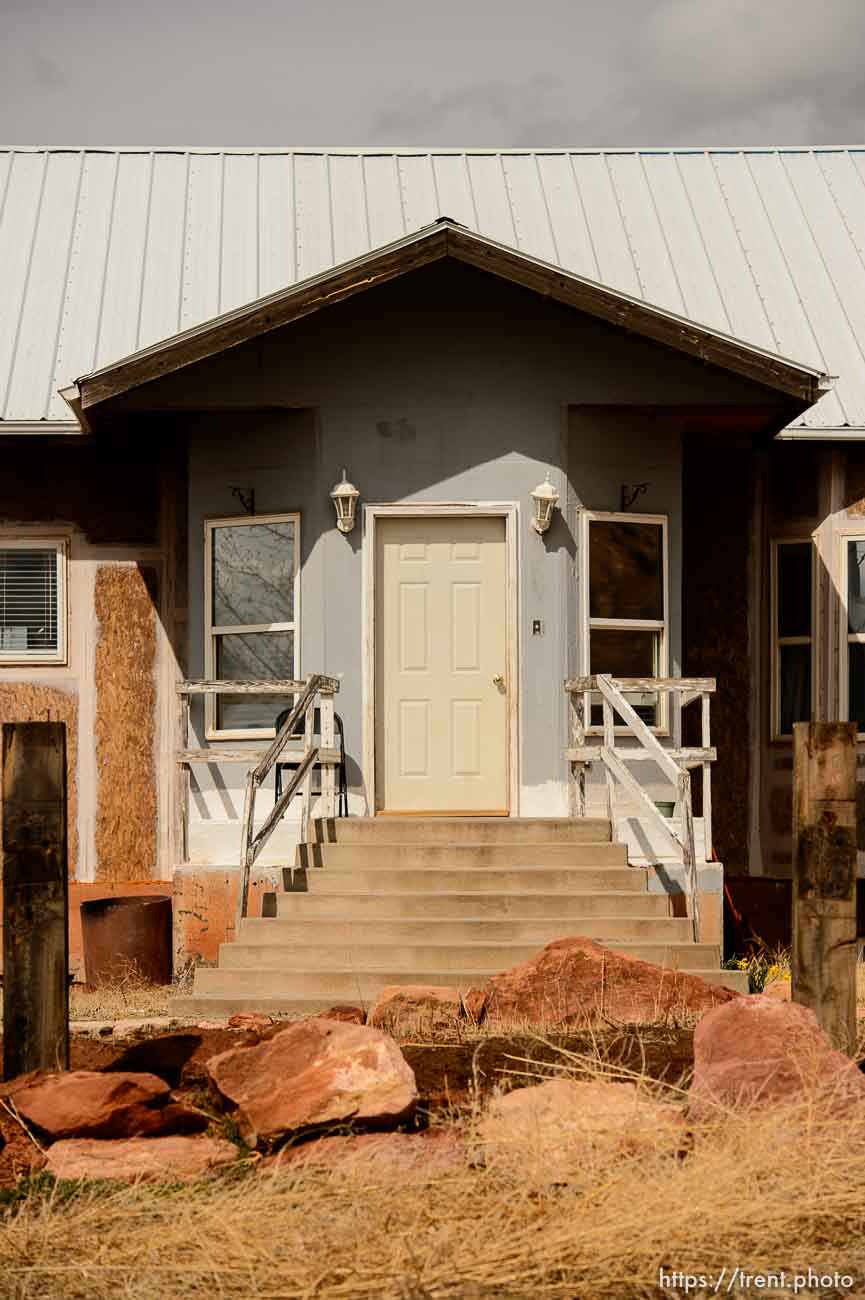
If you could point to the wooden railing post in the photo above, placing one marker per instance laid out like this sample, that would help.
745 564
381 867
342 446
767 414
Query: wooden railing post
824 876
610 744
328 741
577 771
35 898
705 705
306 788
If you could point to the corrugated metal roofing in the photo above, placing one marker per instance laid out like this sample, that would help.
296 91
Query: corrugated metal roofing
104 252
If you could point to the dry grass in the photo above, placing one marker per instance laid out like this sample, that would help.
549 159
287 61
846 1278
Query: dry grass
126 997
776 1192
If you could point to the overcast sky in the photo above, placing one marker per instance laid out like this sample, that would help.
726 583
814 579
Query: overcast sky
397 72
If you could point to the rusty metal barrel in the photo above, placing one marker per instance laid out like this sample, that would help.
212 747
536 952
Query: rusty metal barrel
127 937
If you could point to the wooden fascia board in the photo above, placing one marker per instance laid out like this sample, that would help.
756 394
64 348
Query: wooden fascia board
260 317
639 318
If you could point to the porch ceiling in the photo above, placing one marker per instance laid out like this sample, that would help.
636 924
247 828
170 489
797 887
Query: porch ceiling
445 239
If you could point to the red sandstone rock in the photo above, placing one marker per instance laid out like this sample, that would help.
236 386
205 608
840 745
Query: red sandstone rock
553 1129
315 1072
758 1051
348 1015
88 1103
573 983
254 1020
424 1155
412 1008
475 1004
156 1159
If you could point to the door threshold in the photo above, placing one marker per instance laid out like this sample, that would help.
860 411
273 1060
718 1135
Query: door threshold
443 812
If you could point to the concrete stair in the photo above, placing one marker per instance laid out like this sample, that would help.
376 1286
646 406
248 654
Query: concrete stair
378 901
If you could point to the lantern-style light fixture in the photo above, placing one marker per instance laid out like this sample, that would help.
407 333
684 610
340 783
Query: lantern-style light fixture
344 497
545 498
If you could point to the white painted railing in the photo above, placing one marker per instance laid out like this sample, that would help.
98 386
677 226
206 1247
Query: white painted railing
673 763
315 692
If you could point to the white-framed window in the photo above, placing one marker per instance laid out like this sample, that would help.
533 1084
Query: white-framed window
852 631
252 618
33 600
625 604
792 599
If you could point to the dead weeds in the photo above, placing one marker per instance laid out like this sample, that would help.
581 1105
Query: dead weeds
768 1192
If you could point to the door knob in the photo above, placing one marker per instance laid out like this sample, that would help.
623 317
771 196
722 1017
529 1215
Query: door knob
498 680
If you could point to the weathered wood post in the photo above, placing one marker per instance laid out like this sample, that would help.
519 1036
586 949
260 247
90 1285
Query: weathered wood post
35 898
824 876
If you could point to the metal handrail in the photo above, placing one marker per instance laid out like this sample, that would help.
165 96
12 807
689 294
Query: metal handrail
318 691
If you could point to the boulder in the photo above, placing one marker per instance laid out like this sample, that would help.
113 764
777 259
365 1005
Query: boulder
423 1155
255 1020
574 983
164 1056
415 1008
90 1103
779 990
759 1051
313 1074
156 1159
554 1129
349 1015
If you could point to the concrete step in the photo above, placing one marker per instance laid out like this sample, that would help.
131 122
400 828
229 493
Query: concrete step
444 952
460 830
216 1006
431 880
455 929
364 977
344 856
518 905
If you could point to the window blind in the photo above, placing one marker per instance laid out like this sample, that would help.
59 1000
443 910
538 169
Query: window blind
28 600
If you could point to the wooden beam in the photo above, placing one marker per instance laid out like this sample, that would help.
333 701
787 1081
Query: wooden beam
592 753
261 316
646 684
35 898
824 876
216 687
326 757
638 317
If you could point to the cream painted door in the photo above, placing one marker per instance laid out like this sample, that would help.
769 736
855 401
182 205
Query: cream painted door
441 705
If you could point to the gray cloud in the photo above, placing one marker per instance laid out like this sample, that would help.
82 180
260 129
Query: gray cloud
465 72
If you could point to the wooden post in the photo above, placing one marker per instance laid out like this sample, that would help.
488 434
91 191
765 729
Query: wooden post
35 898
824 876
327 738
577 783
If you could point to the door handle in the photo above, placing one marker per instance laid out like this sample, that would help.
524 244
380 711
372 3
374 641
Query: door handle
498 680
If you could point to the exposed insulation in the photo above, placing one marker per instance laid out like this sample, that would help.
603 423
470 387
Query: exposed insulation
32 702
126 806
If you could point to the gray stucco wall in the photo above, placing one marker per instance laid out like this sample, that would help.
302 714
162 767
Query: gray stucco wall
446 385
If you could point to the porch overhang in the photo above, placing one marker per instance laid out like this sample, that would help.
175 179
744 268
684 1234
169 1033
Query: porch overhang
445 239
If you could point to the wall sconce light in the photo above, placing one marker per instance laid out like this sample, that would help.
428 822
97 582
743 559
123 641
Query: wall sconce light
545 498
344 497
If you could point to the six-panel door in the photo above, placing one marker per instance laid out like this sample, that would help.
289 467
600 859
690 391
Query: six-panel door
441 662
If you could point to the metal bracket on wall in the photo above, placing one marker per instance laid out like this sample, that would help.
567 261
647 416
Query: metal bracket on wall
246 499
630 492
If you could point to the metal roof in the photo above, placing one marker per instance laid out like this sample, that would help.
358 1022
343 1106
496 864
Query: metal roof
105 252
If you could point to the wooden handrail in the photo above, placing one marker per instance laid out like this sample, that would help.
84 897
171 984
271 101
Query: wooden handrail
619 715
698 685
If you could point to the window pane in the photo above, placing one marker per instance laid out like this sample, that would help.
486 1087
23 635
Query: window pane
28 601
253 656
856 588
626 570
857 685
794 589
624 653
794 667
253 574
